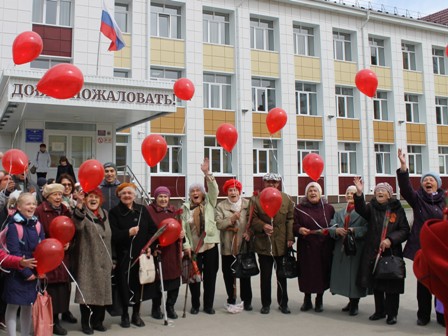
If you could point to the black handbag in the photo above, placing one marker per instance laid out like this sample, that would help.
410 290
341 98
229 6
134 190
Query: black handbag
349 243
245 264
288 267
390 268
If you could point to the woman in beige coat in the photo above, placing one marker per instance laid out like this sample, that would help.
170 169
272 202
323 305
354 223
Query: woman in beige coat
231 220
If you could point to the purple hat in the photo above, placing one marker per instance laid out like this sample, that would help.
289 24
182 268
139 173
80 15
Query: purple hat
162 190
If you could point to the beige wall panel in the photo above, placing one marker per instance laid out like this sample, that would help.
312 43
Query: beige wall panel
412 81
348 129
122 58
441 85
309 128
214 118
442 135
173 123
264 63
307 68
259 128
416 134
218 58
167 52
384 77
383 132
344 73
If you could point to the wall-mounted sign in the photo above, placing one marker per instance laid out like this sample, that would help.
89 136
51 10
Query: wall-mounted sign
34 135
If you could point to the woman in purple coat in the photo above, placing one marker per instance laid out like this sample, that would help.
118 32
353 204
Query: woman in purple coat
314 246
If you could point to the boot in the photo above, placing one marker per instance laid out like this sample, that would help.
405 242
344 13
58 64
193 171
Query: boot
171 313
57 329
307 304
170 302
353 311
319 307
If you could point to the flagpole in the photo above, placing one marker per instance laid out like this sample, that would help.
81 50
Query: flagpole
98 54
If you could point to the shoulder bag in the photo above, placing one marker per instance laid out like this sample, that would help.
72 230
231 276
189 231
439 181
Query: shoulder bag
288 268
147 270
245 264
390 268
349 243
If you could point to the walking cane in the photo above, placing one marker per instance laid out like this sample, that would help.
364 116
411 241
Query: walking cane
186 289
163 291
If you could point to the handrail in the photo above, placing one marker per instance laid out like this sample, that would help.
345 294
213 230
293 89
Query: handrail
128 172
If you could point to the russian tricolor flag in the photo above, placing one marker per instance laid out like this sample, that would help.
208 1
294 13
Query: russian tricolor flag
111 30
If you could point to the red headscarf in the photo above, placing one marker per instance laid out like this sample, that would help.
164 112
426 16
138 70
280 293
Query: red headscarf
232 183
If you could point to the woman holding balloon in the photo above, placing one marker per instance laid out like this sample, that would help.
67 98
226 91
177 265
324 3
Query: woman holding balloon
171 254
94 260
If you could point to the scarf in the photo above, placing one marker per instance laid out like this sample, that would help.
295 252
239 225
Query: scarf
348 212
198 217
236 207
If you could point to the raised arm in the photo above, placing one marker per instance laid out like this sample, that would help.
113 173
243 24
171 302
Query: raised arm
402 158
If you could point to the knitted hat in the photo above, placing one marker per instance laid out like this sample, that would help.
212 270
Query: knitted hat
272 177
162 190
109 165
125 185
386 186
52 188
232 183
436 177
316 185
41 181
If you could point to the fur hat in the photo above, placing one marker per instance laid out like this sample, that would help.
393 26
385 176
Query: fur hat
232 183
436 177
125 185
272 177
52 188
162 190
386 186
316 185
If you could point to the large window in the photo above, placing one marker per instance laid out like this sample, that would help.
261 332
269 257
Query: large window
53 12
217 92
377 56
412 113
409 62
122 17
306 99
382 155
347 158
265 156
380 109
44 62
166 21
303 40
344 102
442 111
415 159
172 162
342 46
443 160
261 34
303 149
438 61
220 160
216 27
263 94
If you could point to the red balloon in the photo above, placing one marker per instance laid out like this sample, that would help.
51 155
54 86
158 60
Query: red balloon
15 161
26 47
153 149
446 50
184 89
227 135
61 81
366 82
90 174
313 165
49 255
271 201
62 228
171 233
276 119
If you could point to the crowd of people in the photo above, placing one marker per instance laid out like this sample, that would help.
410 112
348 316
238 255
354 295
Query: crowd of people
113 229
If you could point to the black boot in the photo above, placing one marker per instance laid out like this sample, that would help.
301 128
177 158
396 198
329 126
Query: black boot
125 323
171 313
307 304
85 314
319 307
171 298
353 307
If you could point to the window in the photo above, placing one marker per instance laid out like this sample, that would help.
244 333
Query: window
342 46
415 159
304 148
172 162
347 158
411 102
443 160
306 99
263 94
122 73
438 61
121 149
442 111
220 160
166 21
377 51
408 51
164 73
261 34
48 62
344 102
380 110
121 16
217 92
382 155
52 12
303 40
265 156
216 27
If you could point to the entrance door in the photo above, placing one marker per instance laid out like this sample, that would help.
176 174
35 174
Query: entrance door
77 148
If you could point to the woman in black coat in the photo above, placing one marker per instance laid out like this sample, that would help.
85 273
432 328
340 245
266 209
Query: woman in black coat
383 209
132 227
65 167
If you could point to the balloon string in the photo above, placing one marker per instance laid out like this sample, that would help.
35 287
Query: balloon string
18 125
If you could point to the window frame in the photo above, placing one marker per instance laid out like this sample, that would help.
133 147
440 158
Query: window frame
308 147
339 38
50 60
443 160
224 103
171 17
123 9
257 90
409 56
42 16
412 108
224 158
309 96
415 158
223 27
350 154
438 61
381 106
267 34
303 35
384 155
344 102
380 51
441 111
171 156
269 148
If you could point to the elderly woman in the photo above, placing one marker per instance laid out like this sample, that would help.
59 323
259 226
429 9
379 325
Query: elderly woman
59 286
427 202
198 221
69 188
171 255
94 261
231 221
132 227
387 229
344 269
314 246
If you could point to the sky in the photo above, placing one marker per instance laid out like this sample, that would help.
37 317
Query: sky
425 7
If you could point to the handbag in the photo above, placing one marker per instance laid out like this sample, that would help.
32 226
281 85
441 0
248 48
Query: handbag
245 264
33 170
349 243
43 314
390 268
147 269
288 268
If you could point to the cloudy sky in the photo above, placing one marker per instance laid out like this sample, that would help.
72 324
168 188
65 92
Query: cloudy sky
423 6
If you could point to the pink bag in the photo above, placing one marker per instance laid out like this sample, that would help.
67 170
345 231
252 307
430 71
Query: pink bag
43 315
